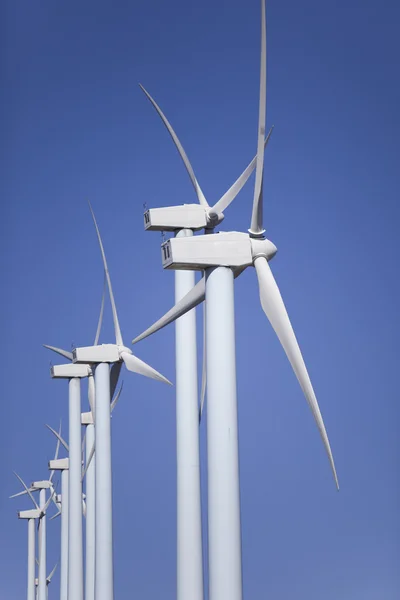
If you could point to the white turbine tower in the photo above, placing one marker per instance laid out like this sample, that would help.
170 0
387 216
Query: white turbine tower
183 221
90 540
104 355
89 474
223 256
39 513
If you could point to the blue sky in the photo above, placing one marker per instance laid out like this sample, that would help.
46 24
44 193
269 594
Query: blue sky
75 125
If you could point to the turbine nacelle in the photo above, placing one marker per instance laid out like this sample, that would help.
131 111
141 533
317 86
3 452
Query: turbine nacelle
104 353
34 513
41 485
87 418
59 464
69 371
186 216
234 249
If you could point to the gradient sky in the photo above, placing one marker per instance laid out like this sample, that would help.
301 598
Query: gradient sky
75 125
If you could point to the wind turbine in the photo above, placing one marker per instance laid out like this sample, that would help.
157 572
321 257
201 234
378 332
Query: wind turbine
88 507
39 512
30 515
223 256
183 221
74 373
103 355
48 579
87 420
61 501
62 505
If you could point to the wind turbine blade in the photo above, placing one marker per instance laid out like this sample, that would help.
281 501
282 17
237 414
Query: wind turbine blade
84 508
114 376
63 442
56 452
180 149
49 577
63 353
89 460
57 504
28 491
204 370
83 444
257 214
114 402
21 493
55 516
92 395
135 365
118 336
191 300
274 308
50 499
233 191
46 506
99 324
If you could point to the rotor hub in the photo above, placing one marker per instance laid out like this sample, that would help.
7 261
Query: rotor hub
263 247
213 219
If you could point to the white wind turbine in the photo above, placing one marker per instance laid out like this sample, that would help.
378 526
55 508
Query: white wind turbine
48 579
61 501
62 464
31 515
88 506
74 373
86 420
39 513
103 355
183 221
223 256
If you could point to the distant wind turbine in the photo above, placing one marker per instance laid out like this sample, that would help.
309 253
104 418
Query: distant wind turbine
31 515
103 355
48 579
39 513
87 420
61 501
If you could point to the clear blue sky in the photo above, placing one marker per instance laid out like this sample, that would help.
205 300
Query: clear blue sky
75 125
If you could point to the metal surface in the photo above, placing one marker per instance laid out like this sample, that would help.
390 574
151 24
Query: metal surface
90 516
64 535
189 537
42 585
31 560
104 582
224 535
75 548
